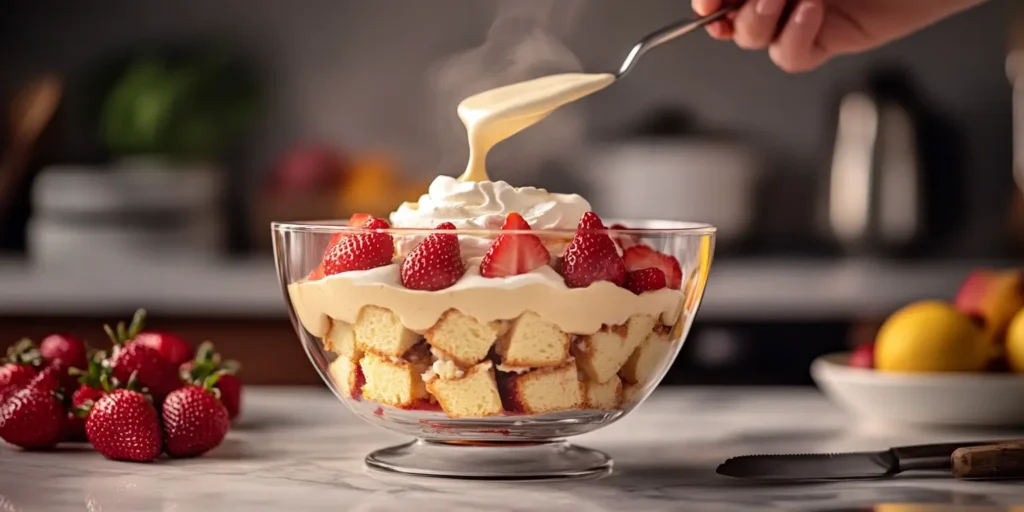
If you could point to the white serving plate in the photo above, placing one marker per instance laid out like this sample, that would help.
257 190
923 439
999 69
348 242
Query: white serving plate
989 400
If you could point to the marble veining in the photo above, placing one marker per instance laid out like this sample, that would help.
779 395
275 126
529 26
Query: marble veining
302 450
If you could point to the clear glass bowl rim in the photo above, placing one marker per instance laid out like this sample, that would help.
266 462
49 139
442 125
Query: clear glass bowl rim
671 227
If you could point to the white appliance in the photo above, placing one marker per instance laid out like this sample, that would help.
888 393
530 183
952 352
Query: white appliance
687 178
136 210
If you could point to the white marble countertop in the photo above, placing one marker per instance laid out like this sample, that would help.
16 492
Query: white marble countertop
302 450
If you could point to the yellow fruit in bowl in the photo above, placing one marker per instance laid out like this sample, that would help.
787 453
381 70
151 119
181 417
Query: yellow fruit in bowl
1014 349
931 336
993 296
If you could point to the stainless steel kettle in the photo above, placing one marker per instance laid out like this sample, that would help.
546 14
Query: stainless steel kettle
876 197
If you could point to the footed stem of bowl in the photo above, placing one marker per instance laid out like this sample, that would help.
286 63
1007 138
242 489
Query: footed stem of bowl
491 460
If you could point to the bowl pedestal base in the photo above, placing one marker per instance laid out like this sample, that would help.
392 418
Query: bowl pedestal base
489 460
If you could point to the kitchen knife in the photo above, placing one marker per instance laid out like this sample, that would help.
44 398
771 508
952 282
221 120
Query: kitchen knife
846 466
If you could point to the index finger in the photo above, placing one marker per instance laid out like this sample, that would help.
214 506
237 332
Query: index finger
705 7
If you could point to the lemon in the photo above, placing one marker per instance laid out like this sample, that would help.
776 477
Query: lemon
930 336
1015 342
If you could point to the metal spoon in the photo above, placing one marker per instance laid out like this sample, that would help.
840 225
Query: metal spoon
681 28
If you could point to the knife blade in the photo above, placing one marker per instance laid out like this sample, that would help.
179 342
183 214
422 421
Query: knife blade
845 466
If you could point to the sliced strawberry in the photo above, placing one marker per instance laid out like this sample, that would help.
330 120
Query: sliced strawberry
436 263
645 280
624 241
358 219
641 256
361 251
591 257
511 255
317 273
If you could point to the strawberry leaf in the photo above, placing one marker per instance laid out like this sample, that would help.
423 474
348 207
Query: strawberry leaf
82 411
138 320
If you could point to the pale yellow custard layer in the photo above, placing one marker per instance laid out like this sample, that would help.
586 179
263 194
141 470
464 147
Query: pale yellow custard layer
573 310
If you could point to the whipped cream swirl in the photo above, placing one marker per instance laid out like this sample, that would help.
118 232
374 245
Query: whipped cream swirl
484 205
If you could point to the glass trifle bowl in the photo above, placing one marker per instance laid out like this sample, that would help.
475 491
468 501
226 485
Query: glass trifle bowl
490 347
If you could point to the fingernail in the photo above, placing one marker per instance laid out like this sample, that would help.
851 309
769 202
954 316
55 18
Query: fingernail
769 7
806 12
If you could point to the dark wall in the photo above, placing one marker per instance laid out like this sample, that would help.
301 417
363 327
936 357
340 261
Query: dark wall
353 72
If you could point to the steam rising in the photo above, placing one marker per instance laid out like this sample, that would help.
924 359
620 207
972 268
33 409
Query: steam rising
519 46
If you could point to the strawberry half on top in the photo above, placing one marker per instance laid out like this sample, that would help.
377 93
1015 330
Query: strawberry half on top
361 251
645 280
356 220
640 257
623 240
436 263
592 256
514 254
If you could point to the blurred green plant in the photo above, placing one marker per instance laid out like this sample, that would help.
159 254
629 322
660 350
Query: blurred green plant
180 105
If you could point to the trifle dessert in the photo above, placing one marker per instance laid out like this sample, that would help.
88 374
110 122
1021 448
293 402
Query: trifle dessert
515 322
489 313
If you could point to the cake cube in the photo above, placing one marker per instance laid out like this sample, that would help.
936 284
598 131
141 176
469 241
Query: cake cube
394 382
532 342
347 377
341 340
464 338
603 396
378 330
603 353
473 394
649 358
544 390
631 393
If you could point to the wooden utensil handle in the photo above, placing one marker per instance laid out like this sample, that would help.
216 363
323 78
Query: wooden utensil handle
1003 460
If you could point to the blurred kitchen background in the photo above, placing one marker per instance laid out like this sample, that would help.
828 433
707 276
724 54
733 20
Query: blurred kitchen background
149 144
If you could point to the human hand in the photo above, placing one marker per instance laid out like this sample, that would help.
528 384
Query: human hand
818 30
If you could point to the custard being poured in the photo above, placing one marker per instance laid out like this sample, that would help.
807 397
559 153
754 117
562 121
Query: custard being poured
493 116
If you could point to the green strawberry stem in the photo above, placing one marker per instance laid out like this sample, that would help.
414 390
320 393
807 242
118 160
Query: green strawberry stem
133 382
210 383
137 322
123 335
82 411
206 354
231 366
24 352
207 363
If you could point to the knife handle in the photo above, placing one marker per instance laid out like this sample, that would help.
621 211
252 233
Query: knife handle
1004 460
932 456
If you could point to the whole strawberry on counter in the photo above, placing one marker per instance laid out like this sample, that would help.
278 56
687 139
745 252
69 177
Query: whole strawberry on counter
155 373
124 425
20 367
93 384
174 348
66 352
195 420
207 363
33 416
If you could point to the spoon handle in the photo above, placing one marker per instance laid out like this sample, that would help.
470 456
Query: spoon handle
683 27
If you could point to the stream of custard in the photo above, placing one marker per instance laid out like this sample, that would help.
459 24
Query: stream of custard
493 116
